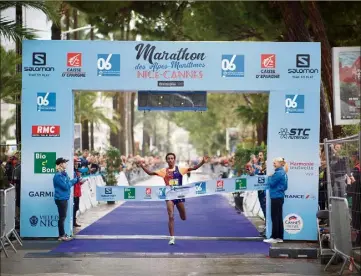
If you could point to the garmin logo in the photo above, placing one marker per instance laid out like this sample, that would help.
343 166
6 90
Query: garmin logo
41 194
149 53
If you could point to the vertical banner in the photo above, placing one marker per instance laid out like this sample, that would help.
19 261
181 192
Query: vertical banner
293 133
346 63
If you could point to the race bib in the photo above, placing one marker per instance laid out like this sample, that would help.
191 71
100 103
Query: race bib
173 182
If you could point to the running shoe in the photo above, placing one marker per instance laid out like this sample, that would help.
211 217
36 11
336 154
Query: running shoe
279 240
65 238
171 241
270 241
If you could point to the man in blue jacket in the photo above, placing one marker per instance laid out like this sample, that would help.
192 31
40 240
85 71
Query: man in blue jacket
62 189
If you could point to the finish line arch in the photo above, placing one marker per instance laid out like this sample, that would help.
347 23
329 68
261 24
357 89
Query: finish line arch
290 72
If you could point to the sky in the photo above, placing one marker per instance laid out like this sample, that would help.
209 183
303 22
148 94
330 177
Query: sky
32 19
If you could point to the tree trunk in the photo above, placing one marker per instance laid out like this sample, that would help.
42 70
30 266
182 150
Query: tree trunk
114 136
294 19
146 136
19 22
325 132
85 134
132 120
75 24
92 135
67 21
319 33
55 32
122 132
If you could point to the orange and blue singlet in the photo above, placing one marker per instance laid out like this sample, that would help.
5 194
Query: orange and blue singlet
173 178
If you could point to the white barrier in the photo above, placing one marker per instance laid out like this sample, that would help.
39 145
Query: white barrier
7 218
88 193
251 204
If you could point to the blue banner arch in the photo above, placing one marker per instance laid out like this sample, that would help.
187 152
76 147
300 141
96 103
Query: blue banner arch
290 72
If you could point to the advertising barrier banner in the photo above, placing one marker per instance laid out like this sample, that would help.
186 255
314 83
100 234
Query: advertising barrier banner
161 193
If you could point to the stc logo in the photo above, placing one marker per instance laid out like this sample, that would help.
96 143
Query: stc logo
45 131
295 133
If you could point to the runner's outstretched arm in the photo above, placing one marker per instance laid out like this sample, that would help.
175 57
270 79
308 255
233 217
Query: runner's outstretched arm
196 167
146 170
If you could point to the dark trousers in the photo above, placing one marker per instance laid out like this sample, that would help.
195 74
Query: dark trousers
62 209
262 201
277 217
76 208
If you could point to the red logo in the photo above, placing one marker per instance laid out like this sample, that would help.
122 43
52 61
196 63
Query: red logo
45 131
220 184
268 61
148 191
73 60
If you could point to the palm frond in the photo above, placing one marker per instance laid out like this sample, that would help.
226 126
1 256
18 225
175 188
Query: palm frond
12 31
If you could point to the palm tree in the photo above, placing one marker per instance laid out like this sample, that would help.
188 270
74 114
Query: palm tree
86 112
11 30
255 113
10 87
5 126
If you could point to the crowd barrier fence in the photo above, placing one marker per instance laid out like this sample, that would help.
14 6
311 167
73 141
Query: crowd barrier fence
7 219
340 164
341 233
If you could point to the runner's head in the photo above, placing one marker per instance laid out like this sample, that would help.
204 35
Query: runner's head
170 159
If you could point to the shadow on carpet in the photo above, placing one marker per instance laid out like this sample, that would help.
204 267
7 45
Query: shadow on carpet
161 246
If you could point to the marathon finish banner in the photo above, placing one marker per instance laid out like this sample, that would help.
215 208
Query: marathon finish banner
53 69
161 193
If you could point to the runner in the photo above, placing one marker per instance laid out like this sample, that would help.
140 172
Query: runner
173 176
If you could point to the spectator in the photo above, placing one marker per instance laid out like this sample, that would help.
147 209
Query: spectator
322 187
77 190
62 187
261 166
354 180
278 184
84 159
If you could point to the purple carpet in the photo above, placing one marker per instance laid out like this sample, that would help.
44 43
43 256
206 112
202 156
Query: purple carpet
161 246
208 216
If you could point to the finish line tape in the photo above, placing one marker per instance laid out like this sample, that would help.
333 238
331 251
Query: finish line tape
196 189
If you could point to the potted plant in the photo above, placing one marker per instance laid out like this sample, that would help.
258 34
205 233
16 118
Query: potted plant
113 161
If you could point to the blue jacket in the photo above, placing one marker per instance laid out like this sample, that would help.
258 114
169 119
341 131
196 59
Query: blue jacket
62 185
278 183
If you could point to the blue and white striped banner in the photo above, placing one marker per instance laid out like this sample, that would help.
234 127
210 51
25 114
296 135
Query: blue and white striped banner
201 188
